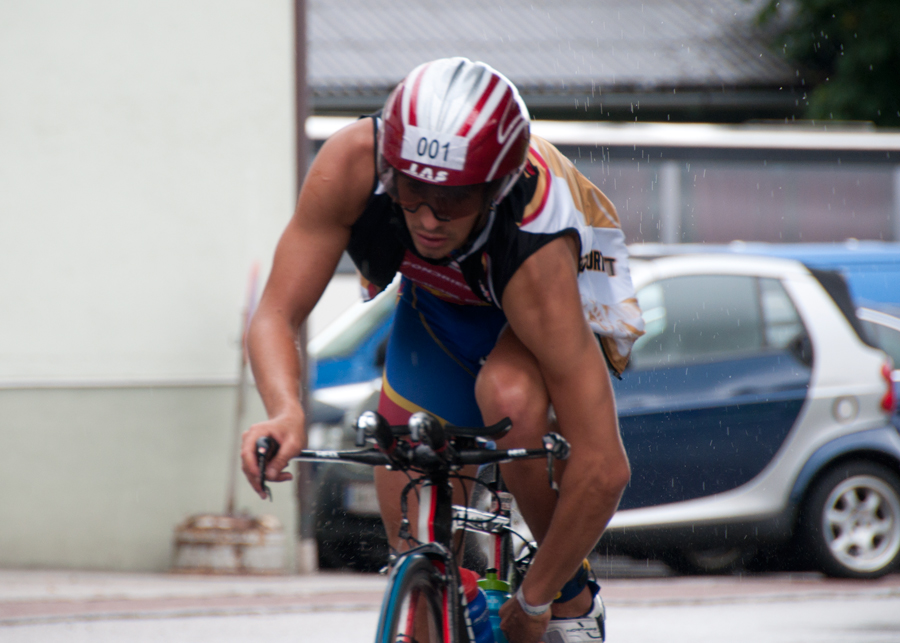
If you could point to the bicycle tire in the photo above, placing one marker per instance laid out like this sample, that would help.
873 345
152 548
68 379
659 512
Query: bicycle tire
414 608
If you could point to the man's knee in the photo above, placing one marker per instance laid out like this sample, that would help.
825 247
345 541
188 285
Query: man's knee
505 391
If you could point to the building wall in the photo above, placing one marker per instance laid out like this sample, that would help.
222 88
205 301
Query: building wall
722 197
147 160
99 478
146 163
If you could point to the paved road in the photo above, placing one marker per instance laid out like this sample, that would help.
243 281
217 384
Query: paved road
342 608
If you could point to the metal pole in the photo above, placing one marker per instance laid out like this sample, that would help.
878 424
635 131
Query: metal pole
307 555
240 402
670 202
236 428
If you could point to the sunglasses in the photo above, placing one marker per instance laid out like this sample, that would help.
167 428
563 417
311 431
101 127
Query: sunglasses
444 215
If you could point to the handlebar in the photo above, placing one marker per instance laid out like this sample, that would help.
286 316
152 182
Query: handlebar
371 424
431 448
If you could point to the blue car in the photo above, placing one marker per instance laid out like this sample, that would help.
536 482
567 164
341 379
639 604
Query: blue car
757 416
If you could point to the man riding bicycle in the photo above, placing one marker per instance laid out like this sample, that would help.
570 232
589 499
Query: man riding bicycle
515 296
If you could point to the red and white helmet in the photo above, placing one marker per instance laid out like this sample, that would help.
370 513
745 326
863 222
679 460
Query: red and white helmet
454 122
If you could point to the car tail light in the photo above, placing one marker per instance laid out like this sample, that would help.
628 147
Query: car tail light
889 401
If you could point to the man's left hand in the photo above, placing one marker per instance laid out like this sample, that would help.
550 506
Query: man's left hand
518 626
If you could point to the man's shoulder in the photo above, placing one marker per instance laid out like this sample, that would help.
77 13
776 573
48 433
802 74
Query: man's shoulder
561 192
353 144
342 176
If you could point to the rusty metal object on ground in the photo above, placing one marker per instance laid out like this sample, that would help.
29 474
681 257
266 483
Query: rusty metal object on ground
220 544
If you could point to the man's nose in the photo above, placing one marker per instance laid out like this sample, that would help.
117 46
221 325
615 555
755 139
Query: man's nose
426 216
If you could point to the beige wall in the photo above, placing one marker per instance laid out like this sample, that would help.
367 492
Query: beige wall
146 162
99 478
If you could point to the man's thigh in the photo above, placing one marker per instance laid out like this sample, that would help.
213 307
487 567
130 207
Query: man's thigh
433 357
434 354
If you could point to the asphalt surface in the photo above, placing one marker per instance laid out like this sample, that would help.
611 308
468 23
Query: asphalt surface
342 607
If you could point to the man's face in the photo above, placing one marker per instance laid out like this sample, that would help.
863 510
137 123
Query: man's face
439 218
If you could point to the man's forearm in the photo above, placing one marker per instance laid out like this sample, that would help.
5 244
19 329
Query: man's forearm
593 479
275 360
586 504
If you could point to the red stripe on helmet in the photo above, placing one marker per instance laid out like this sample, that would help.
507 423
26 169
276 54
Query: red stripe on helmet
501 113
414 98
470 120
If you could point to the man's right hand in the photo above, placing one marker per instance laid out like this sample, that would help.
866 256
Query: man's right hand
289 433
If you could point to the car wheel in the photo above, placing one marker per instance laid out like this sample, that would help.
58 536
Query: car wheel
851 521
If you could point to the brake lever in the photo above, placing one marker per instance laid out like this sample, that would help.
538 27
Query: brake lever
266 448
557 448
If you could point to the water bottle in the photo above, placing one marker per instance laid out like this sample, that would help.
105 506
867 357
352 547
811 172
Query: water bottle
497 593
477 607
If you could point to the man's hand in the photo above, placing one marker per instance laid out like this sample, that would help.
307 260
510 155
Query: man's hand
518 626
288 432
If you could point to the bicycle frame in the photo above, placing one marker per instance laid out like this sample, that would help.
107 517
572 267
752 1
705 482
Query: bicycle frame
437 459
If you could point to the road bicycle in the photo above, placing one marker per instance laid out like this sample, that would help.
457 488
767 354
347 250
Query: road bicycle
424 600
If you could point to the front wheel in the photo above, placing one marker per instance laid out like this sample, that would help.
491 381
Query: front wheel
851 522
413 606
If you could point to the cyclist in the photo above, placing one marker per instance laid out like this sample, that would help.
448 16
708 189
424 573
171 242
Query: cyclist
513 267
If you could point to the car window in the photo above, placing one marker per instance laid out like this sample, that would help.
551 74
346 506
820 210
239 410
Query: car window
702 317
782 323
886 338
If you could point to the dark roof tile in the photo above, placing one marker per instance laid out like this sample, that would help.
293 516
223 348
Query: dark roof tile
359 46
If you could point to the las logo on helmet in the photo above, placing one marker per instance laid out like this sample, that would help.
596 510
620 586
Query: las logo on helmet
426 173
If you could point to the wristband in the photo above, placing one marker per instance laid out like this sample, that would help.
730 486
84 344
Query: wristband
531 610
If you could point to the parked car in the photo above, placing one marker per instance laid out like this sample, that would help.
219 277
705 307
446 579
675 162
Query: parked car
350 350
870 268
756 417
345 362
345 378
883 329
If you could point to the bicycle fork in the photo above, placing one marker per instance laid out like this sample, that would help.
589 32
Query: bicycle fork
435 530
